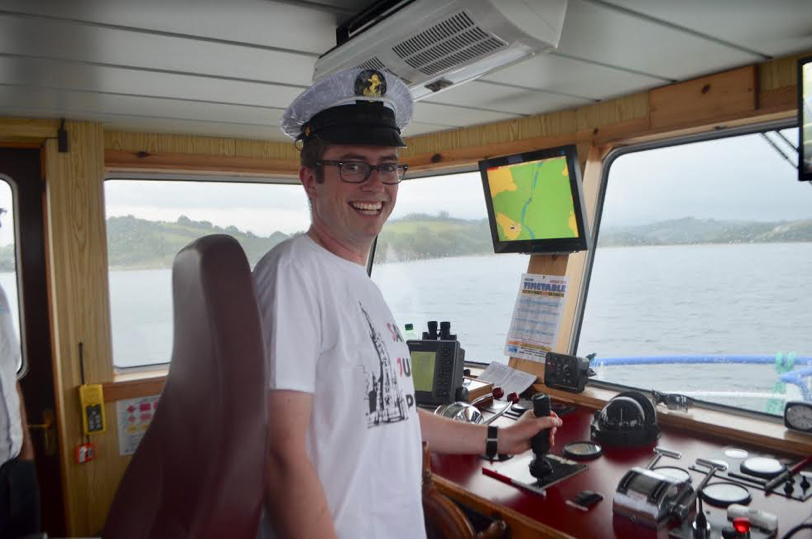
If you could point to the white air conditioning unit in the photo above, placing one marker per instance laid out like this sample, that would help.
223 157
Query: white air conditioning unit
433 45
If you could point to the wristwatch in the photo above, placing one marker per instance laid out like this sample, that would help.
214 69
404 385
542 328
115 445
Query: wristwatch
490 444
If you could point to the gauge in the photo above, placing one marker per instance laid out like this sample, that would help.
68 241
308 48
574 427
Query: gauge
798 416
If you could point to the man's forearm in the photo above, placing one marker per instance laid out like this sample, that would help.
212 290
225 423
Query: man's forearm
448 436
295 500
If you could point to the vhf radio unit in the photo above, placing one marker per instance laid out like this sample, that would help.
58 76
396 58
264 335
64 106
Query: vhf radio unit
437 364
569 373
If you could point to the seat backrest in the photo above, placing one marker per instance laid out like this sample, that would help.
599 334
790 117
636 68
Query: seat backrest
199 470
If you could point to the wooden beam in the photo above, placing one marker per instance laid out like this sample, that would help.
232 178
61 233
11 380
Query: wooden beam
22 130
119 160
77 274
133 389
703 99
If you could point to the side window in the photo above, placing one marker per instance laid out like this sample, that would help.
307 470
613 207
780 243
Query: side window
700 278
149 221
434 261
8 266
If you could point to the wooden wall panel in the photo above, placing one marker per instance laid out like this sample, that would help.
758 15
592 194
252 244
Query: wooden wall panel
77 254
27 130
705 99
195 154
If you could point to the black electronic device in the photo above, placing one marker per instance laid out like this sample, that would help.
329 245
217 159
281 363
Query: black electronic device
805 119
535 202
540 443
569 373
798 414
628 420
437 371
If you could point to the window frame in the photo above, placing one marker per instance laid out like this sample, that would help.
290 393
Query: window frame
586 276
18 277
146 372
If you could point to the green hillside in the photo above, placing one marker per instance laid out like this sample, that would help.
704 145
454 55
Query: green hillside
139 244
420 236
689 230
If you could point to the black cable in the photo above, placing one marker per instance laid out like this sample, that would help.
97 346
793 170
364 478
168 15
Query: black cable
796 529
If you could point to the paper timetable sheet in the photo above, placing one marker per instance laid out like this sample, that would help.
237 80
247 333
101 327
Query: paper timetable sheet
536 316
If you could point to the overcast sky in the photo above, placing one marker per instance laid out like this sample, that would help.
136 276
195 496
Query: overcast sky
741 178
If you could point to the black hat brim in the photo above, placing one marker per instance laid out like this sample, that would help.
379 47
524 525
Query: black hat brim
361 135
362 124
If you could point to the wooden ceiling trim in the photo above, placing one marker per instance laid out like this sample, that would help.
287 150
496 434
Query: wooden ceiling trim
704 99
149 152
21 130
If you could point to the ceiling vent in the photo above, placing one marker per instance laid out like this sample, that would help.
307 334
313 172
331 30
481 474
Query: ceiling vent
435 45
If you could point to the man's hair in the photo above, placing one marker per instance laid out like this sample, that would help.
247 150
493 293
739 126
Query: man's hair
312 151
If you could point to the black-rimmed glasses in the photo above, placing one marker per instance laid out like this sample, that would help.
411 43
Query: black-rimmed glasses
359 172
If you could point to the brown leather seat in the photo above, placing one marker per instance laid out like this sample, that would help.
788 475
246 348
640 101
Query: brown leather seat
198 472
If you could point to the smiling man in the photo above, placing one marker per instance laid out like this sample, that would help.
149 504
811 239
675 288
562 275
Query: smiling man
344 430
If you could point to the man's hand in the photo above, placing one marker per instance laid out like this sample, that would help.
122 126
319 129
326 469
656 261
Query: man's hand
515 439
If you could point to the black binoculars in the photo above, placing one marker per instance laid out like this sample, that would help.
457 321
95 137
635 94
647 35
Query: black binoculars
444 334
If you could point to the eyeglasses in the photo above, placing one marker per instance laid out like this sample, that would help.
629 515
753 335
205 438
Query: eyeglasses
359 172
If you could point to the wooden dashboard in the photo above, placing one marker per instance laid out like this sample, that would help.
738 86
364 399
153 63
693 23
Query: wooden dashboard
531 515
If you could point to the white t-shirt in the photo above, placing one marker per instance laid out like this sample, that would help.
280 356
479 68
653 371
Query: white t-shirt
329 332
11 429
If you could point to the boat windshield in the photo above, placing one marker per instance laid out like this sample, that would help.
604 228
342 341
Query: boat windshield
700 278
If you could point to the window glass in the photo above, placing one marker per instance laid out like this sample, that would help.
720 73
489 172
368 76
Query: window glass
434 261
700 280
8 257
149 221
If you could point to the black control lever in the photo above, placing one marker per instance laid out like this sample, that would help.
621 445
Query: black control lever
540 443
683 507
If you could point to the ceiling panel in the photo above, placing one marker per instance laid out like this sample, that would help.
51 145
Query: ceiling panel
505 98
602 34
288 25
57 74
777 27
78 104
55 39
450 116
117 122
564 75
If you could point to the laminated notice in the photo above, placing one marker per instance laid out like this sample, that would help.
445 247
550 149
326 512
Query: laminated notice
536 316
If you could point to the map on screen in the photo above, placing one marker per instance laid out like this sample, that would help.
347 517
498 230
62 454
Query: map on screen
533 200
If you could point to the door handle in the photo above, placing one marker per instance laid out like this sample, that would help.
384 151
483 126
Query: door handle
48 428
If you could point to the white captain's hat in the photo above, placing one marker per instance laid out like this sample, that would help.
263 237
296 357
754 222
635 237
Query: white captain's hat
357 106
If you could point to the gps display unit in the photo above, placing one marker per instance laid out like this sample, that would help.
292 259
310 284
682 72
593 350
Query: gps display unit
535 202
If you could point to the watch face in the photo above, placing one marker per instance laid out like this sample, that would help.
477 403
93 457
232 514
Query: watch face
798 416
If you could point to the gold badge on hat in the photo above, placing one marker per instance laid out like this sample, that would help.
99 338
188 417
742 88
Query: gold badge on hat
370 83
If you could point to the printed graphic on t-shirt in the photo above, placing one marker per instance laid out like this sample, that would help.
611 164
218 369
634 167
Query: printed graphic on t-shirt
387 404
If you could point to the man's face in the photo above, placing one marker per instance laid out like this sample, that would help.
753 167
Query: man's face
352 213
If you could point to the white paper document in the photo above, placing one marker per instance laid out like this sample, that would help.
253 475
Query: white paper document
134 416
508 378
536 316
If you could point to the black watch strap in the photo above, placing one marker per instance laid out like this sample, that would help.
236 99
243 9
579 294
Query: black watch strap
490 444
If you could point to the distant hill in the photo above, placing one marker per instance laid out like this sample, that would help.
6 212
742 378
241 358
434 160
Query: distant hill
689 231
138 244
419 236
